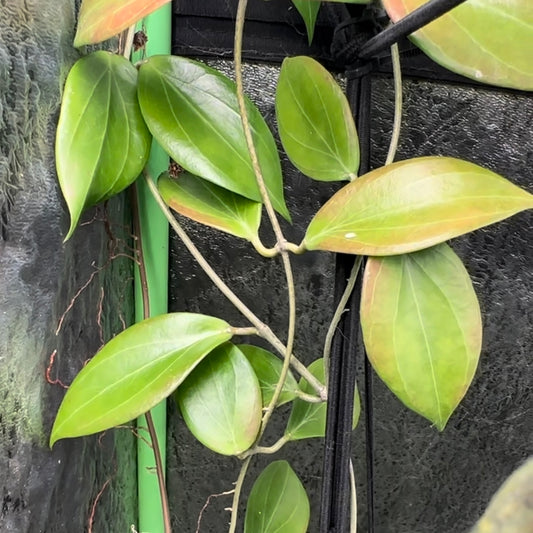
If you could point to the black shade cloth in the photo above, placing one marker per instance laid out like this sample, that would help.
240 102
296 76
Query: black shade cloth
410 477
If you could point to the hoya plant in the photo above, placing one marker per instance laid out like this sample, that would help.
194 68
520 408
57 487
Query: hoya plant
420 317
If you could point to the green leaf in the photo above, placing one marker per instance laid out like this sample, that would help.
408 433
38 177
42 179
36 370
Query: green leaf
101 19
411 205
278 502
308 9
510 509
221 401
211 205
485 41
422 328
308 420
192 111
102 142
267 368
135 370
315 121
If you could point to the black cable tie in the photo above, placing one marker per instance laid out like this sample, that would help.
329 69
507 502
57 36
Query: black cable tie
409 24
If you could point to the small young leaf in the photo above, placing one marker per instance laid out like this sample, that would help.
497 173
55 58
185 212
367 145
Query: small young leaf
135 370
308 420
221 401
192 111
267 368
489 42
422 328
309 11
211 205
411 205
278 502
101 19
315 121
102 142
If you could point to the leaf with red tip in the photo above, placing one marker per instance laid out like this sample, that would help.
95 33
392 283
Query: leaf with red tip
411 205
488 41
102 19
422 328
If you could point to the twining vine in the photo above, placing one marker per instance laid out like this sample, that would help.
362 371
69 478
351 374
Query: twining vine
416 292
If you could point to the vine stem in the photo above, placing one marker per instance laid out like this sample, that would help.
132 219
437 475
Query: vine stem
262 329
398 96
237 494
341 307
280 242
146 314
239 31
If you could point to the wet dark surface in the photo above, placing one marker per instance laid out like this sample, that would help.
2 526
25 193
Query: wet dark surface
43 490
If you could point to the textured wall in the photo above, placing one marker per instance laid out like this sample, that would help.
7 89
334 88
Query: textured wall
45 490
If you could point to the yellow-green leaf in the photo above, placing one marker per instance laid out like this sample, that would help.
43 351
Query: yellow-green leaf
267 368
315 121
278 502
211 205
308 420
193 113
411 205
308 9
422 328
101 19
221 401
102 142
135 370
488 41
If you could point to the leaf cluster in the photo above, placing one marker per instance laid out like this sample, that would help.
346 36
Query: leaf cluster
420 317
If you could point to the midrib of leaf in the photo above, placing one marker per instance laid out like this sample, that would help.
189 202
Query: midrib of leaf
444 296
252 112
328 118
277 499
483 47
125 153
294 509
308 119
288 133
191 142
221 394
352 225
433 42
91 172
182 353
426 341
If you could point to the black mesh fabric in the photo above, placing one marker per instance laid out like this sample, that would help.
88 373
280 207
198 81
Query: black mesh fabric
410 478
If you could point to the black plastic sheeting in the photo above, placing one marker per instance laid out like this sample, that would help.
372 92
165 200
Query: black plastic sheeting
410 477
43 490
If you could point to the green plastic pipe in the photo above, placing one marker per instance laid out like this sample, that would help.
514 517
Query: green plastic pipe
154 233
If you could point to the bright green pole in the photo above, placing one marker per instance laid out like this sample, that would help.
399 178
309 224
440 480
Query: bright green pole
154 232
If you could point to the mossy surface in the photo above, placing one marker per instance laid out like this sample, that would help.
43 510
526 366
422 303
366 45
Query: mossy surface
47 490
